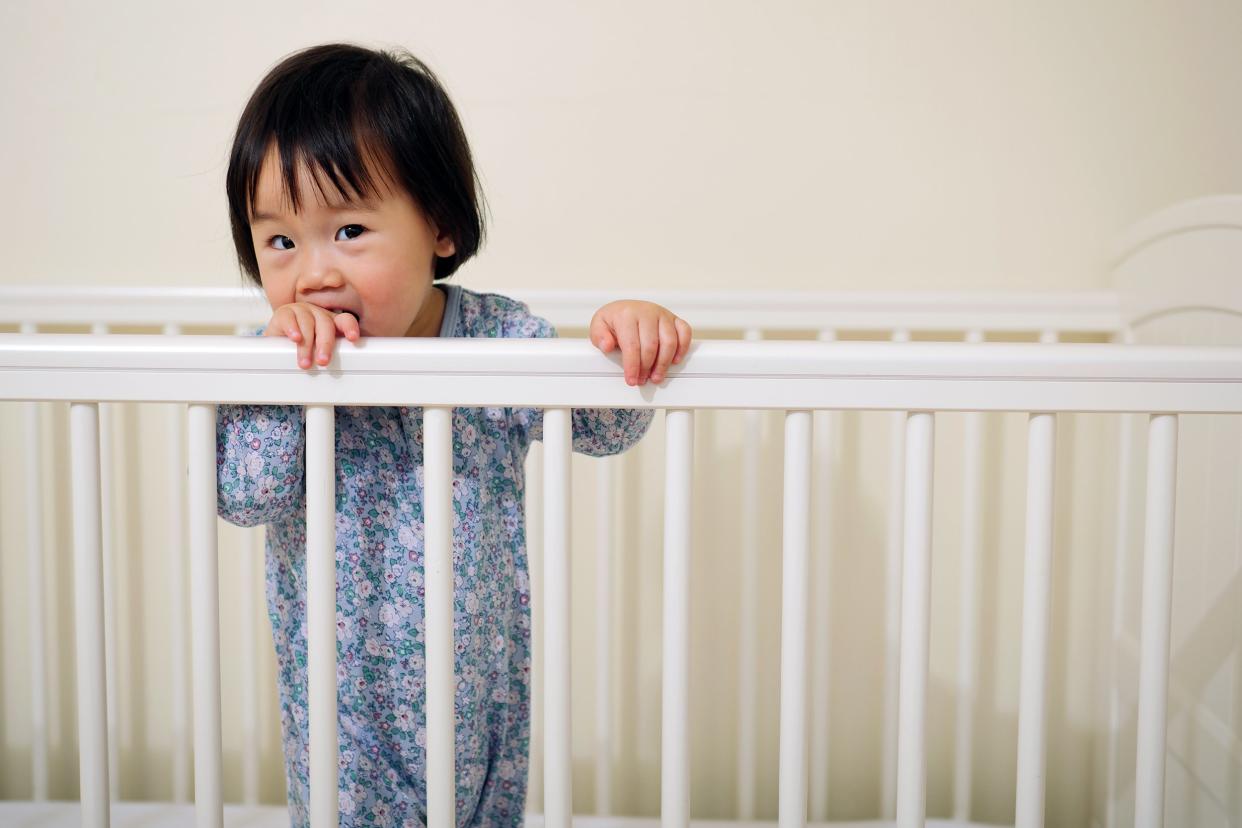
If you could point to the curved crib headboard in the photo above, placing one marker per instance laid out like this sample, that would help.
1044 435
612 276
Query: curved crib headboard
1178 274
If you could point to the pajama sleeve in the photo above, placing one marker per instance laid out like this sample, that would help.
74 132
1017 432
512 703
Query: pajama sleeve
260 451
597 432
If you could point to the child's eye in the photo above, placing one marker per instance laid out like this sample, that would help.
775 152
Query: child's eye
281 242
349 231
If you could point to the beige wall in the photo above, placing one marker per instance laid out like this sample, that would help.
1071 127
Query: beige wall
645 144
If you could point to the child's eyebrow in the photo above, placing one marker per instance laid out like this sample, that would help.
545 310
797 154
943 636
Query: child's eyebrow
336 207
354 204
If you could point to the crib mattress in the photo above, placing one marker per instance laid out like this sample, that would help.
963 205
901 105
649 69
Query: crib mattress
18 814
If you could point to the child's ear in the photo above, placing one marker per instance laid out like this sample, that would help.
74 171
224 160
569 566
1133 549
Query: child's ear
445 246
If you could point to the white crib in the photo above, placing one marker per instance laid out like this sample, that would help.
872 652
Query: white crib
1182 264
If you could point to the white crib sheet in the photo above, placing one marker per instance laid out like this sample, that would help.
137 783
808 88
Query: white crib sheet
19 814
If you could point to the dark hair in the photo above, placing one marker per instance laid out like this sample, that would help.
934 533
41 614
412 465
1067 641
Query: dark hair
336 106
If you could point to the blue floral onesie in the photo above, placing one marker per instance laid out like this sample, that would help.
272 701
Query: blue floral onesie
379 571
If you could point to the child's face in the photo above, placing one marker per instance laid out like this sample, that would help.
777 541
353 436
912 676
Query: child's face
373 258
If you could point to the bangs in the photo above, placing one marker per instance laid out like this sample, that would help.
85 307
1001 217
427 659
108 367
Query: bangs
340 161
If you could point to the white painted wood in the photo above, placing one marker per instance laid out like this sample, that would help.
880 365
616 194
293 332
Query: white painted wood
604 524
795 595
675 710
534 546
941 376
179 660
747 618
205 609
438 630
915 621
1182 217
968 607
36 574
825 452
89 616
1121 564
748 610
1088 311
1157 612
250 549
107 500
321 613
892 601
558 744
1036 597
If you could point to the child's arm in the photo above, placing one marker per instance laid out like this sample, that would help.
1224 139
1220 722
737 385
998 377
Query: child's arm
650 338
260 449
260 452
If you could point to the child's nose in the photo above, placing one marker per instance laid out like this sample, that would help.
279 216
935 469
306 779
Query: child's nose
320 272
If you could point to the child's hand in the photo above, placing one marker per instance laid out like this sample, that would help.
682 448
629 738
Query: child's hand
313 328
651 338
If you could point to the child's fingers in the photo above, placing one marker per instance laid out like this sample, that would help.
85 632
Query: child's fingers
649 347
601 334
347 324
627 339
683 339
305 321
283 323
668 347
325 335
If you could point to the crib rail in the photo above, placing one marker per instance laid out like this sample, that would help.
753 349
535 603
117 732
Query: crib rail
554 373
797 377
1086 312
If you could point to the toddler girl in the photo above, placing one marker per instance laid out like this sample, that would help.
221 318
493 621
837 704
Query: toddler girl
352 195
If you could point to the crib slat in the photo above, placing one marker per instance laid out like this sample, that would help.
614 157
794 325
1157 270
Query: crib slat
251 635
89 615
915 622
534 541
1153 700
1121 563
748 610
795 594
321 612
177 588
1036 582
892 601
604 511
36 579
968 618
205 609
251 547
558 746
825 428
438 626
107 511
675 724
748 618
